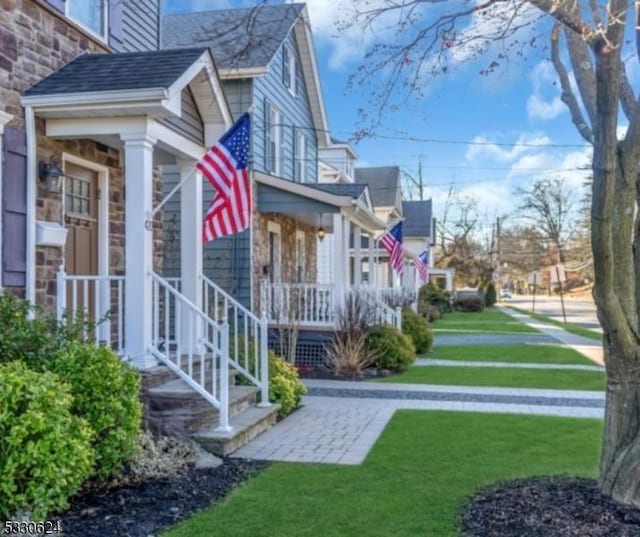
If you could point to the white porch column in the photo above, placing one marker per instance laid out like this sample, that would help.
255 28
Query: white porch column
138 177
449 283
357 255
373 272
346 267
339 254
191 244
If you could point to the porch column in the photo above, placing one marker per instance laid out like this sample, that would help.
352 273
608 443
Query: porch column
138 177
357 256
339 254
449 283
191 244
373 258
346 229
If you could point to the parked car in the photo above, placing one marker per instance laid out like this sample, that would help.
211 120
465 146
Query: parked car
505 294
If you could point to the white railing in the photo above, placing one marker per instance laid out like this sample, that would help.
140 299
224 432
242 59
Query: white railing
192 345
248 335
305 304
381 312
97 302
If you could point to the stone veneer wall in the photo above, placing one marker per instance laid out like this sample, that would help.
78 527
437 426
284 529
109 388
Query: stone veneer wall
288 228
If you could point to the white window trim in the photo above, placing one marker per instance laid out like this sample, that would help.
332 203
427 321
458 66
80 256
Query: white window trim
273 227
291 69
104 37
275 136
301 157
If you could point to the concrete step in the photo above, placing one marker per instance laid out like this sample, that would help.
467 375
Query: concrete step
246 426
161 374
177 409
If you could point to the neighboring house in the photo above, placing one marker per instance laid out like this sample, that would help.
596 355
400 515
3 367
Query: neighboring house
418 235
266 60
92 107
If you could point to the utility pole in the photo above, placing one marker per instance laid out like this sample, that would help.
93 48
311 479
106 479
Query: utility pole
419 182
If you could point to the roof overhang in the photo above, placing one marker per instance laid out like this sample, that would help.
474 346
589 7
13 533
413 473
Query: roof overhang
234 73
300 189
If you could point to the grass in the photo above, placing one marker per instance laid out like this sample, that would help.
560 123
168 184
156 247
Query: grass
503 377
414 481
541 354
486 321
569 327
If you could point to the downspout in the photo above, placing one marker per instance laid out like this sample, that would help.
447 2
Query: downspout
30 129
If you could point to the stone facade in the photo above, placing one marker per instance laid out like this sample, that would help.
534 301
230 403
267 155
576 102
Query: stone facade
288 228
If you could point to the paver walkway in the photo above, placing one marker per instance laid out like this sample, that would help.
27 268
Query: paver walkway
434 362
341 421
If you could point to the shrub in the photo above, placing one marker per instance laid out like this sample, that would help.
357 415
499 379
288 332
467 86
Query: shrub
418 329
45 449
470 304
106 392
432 314
347 353
490 297
431 295
393 349
285 386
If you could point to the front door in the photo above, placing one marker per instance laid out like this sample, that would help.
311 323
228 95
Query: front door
81 220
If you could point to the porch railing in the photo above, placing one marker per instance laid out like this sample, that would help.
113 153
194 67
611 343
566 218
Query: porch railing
192 345
248 335
96 301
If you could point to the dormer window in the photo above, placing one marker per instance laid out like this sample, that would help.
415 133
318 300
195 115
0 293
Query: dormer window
90 14
289 73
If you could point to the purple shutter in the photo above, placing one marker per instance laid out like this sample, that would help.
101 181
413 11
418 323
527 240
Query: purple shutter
57 4
14 208
116 33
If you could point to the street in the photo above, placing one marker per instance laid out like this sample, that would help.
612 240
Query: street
580 312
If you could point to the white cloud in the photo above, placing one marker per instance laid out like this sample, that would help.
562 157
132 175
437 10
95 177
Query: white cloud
539 105
483 148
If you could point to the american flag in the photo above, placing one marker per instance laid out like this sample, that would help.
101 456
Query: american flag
421 263
225 166
391 241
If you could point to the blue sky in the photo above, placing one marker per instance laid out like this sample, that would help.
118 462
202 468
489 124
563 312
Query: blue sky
519 104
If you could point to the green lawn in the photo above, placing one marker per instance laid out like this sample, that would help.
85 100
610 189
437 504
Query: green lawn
503 377
569 327
413 483
541 354
489 320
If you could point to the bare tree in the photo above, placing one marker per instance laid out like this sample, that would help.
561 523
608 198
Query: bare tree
593 36
547 204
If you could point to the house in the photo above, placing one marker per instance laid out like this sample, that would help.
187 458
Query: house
267 64
92 110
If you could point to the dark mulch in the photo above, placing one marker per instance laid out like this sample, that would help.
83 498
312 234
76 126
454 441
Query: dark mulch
147 508
547 507
308 372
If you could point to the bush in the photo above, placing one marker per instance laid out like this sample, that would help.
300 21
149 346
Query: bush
432 314
490 297
392 348
106 392
469 304
285 386
431 295
45 452
418 329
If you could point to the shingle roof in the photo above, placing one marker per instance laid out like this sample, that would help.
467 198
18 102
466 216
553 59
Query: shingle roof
122 71
417 218
383 181
238 38
341 189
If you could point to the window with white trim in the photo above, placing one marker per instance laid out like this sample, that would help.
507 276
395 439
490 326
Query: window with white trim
90 14
301 157
273 136
300 256
289 71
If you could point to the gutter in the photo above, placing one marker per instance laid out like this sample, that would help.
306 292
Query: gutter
30 129
95 97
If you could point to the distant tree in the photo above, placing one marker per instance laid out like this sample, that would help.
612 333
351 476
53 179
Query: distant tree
606 113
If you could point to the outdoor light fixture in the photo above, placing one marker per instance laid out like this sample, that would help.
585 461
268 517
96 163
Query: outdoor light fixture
321 233
52 175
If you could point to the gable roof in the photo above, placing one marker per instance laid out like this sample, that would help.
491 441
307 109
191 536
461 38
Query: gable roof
87 73
239 38
384 184
417 218
341 189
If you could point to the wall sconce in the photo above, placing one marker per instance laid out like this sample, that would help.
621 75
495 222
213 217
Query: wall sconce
52 175
321 233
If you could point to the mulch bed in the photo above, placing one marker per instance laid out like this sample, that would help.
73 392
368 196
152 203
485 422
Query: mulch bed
547 507
147 508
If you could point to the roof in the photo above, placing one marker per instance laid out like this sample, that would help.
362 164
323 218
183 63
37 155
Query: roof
383 181
417 218
122 71
341 189
238 38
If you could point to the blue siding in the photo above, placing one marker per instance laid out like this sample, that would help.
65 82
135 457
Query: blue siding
295 113
226 261
141 25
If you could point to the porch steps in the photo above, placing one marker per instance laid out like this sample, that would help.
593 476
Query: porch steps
172 407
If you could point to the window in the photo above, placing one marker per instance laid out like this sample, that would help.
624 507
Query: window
78 196
300 257
301 157
91 14
289 71
273 133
